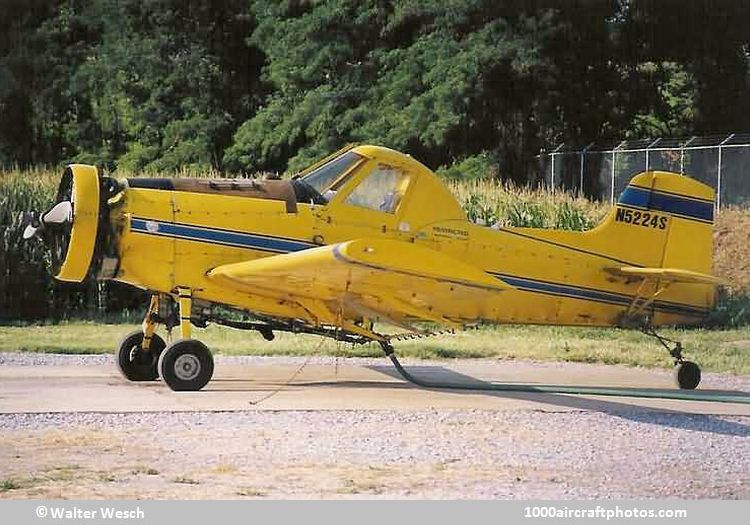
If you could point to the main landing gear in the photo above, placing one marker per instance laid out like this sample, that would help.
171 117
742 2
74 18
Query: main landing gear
686 373
185 365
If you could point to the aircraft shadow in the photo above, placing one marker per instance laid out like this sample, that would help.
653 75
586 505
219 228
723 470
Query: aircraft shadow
633 412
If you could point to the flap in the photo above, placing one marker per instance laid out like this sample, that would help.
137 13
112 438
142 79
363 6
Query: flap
675 275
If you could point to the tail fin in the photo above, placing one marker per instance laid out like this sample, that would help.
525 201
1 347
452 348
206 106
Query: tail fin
662 226
678 212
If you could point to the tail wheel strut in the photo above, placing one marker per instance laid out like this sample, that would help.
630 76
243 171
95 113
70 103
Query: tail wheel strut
687 374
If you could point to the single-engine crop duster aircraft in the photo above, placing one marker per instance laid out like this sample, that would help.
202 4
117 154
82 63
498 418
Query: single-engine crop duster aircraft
370 235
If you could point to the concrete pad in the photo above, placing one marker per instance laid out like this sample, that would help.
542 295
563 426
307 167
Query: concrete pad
294 384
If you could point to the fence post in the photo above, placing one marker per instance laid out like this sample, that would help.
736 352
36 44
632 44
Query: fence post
682 155
552 164
654 143
552 172
614 159
583 160
718 173
612 183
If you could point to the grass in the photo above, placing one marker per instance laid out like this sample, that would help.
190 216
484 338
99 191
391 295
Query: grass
182 480
9 484
250 492
716 350
224 468
140 469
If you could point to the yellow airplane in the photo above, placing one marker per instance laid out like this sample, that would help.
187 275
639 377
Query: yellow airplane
371 235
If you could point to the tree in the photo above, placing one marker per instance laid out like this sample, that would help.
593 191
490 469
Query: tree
155 84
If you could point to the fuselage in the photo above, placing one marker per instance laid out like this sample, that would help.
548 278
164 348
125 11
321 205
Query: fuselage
169 238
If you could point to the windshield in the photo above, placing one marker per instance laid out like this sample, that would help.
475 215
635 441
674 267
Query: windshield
325 176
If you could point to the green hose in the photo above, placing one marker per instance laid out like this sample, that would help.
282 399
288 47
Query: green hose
683 395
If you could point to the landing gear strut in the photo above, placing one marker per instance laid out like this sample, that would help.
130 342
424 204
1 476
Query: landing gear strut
686 373
186 364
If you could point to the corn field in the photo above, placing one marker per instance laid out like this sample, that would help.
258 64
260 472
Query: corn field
490 202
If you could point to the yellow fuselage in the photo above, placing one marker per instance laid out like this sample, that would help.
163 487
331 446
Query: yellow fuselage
172 239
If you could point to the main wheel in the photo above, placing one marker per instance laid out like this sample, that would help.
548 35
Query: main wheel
186 365
688 375
134 363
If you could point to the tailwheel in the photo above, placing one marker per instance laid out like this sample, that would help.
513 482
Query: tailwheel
687 374
186 365
135 363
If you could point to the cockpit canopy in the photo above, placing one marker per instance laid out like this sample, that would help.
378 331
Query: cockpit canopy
382 187
381 180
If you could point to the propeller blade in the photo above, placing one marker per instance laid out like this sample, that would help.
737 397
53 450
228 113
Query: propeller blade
29 232
28 221
60 213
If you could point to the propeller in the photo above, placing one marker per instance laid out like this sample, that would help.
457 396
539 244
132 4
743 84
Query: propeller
33 222
55 227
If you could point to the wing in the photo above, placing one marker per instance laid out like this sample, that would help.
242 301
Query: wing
674 275
390 280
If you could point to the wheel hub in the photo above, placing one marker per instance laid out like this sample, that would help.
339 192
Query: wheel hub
187 367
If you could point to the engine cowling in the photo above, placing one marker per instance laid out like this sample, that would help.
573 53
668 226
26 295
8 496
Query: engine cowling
80 183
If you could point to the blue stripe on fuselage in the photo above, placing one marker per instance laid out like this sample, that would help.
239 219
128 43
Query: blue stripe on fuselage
681 206
218 236
592 294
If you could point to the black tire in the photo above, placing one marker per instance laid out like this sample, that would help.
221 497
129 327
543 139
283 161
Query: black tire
186 366
133 363
688 375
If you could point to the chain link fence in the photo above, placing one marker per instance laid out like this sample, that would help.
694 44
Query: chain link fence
601 170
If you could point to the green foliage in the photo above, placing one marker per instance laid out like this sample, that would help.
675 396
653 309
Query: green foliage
8 484
412 77
732 310
482 166
672 111
148 85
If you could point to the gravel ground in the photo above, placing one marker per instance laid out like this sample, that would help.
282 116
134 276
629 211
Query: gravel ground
371 454
391 454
